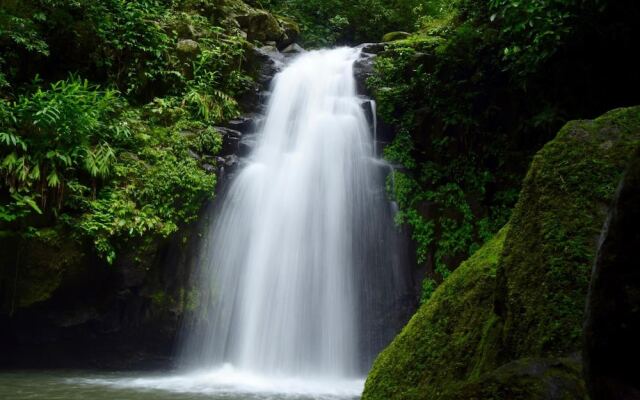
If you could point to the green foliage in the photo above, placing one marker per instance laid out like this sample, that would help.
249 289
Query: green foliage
132 41
442 173
472 94
533 31
52 139
118 166
327 22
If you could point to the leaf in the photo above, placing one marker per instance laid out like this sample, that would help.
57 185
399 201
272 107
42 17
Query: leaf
53 180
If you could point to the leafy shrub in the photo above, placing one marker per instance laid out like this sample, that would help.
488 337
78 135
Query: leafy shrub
54 140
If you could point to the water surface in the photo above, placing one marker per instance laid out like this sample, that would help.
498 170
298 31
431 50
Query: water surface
222 384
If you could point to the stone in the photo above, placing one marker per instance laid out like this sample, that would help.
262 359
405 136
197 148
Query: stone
372 48
393 36
245 124
612 328
260 26
291 32
519 300
188 47
230 140
363 68
294 49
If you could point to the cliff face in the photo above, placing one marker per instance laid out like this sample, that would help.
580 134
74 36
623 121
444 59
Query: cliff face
508 322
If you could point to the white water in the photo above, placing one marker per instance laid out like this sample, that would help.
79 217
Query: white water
297 250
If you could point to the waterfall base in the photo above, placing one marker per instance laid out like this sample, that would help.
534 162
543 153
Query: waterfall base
230 383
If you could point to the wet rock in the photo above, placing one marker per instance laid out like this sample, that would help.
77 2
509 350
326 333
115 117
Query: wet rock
291 32
266 61
245 124
363 68
209 168
230 140
247 144
368 106
372 48
294 49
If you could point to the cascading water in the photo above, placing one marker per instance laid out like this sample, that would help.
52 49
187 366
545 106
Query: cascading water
300 270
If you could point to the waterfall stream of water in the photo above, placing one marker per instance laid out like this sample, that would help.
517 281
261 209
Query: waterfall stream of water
300 270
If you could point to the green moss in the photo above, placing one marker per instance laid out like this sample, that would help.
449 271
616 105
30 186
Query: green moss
393 36
501 325
555 228
439 343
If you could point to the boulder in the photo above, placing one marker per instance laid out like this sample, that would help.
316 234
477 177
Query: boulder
293 49
291 32
230 140
188 47
244 124
372 48
393 36
261 26
521 297
268 61
612 329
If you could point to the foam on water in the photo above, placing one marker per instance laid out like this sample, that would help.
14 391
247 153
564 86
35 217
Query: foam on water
232 382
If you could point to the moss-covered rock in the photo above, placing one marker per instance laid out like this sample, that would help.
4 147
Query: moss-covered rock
291 31
393 36
260 26
521 296
546 265
439 344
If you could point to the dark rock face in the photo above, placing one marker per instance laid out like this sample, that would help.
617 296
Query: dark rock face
230 140
555 379
119 316
362 70
372 48
612 329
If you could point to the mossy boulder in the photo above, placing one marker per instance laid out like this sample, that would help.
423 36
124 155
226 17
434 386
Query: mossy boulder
439 344
291 31
260 26
393 36
504 323
188 48
546 266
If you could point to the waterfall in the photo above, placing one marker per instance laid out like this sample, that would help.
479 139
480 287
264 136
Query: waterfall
300 270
